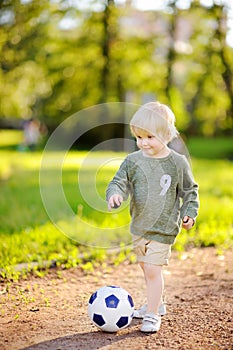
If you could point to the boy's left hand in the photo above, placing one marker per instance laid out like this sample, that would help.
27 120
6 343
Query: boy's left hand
187 222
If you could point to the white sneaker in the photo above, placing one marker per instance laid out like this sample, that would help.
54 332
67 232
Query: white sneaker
151 323
140 313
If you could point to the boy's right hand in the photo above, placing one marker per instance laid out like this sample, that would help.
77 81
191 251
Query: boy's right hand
115 201
188 222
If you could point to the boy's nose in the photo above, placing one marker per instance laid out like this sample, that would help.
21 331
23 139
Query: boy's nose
144 142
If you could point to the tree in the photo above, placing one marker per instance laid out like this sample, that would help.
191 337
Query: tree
225 54
178 56
208 98
23 77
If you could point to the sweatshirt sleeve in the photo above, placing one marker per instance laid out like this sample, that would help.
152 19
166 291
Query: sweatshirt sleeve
119 184
188 193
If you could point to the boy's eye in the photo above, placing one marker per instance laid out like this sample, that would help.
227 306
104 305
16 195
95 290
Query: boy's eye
150 136
138 137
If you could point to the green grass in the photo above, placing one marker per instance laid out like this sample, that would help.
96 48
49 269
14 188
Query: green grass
28 235
10 138
211 148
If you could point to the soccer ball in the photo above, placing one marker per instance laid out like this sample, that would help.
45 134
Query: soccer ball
111 308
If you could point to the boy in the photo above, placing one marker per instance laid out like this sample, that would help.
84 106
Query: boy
163 195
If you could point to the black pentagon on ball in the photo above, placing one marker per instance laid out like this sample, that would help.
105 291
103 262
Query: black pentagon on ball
92 298
112 301
98 319
130 300
122 322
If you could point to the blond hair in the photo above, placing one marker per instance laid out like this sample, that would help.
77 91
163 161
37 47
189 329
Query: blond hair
156 118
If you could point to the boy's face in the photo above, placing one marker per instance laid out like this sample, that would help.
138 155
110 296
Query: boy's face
148 143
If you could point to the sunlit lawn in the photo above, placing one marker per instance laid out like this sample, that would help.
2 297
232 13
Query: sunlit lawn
28 234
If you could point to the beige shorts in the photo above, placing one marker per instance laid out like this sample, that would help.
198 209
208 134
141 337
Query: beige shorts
151 252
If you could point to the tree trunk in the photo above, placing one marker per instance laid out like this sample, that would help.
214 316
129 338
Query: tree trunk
227 73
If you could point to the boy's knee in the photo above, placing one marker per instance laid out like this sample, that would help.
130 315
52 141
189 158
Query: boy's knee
152 271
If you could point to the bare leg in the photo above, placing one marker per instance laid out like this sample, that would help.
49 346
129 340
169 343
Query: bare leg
154 286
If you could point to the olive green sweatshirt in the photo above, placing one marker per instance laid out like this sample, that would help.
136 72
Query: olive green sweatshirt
162 192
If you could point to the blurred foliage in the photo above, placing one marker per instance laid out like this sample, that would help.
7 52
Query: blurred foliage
57 58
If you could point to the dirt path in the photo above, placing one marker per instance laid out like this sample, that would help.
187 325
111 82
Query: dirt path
50 313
